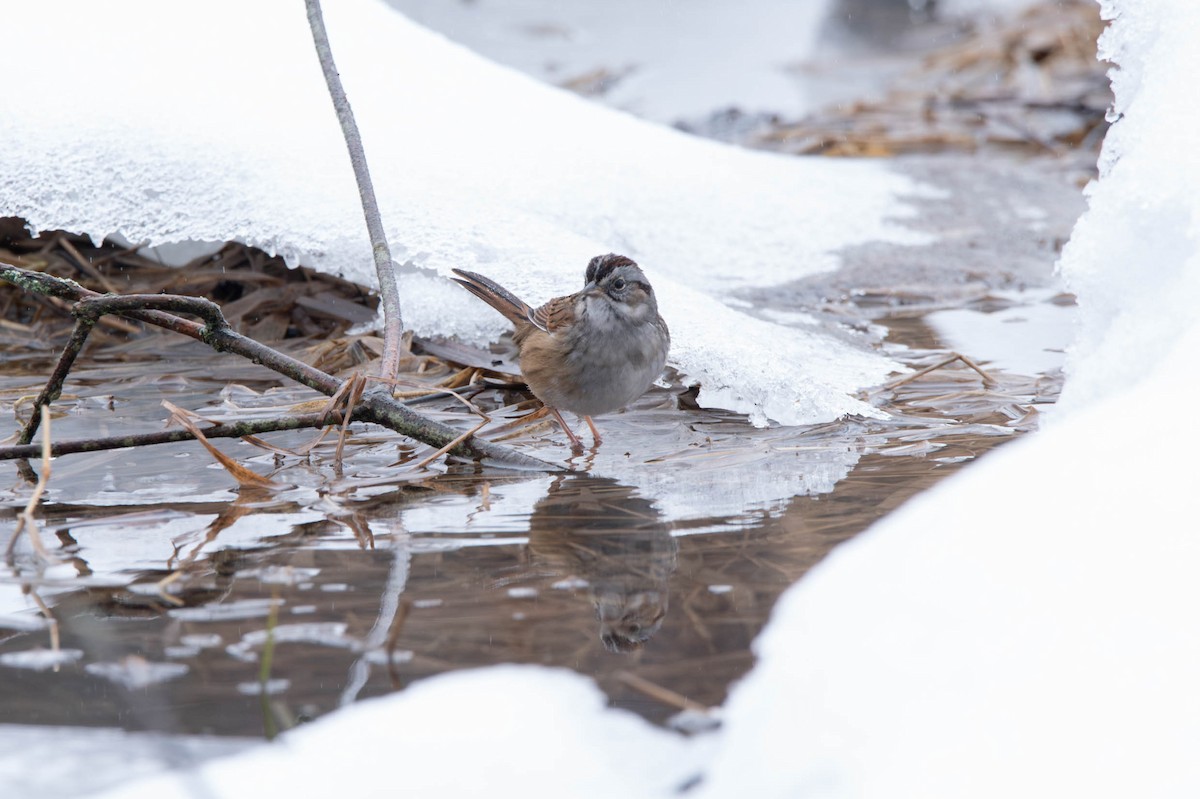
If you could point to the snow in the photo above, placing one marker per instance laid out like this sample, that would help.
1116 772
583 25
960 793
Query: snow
40 761
1134 259
1026 628
1042 644
475 165
518 731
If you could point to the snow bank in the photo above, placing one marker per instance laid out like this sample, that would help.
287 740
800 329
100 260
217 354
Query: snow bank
96 758
1025 630
1134 258
509 731
1028 628
211 122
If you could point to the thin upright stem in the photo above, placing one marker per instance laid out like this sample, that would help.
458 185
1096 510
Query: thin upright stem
393 323
53 389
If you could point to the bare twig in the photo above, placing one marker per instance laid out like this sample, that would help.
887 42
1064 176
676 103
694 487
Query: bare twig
357 385
51 622
520 421
377 405
111 322
85 265
245 477
53 389
472 407
660 693
117 254
393 608
270 723
244 429
394 637
162 585
389 294
225 519
451 445
25 521
988 381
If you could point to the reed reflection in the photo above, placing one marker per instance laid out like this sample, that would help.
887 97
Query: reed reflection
604 533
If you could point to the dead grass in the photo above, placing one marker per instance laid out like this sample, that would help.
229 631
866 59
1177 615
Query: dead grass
1031 84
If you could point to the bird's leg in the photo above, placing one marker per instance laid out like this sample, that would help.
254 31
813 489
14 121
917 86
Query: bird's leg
595 433
576 444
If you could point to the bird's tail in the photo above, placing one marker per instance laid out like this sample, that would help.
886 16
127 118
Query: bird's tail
513 308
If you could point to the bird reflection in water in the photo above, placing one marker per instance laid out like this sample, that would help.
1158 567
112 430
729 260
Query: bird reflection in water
602 532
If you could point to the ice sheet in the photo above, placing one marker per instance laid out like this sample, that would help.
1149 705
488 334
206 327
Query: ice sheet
1027 338
231 136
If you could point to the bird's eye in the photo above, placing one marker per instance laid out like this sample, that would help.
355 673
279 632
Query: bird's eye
619 284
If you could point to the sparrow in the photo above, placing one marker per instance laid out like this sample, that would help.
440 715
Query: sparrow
590 352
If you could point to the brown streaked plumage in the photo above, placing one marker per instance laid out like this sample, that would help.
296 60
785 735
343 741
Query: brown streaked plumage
590 352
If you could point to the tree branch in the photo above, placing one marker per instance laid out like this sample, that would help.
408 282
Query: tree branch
251 427
377 405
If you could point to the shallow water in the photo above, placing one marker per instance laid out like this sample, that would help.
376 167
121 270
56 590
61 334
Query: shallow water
190 607
361 580
187 606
